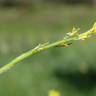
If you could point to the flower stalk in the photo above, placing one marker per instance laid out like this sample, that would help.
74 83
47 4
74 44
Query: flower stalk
66 41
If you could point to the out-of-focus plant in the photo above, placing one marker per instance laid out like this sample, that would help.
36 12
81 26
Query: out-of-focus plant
54 93
66 41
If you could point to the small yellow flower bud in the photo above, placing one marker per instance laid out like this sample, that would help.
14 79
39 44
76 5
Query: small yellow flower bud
94 28
53 93
74 32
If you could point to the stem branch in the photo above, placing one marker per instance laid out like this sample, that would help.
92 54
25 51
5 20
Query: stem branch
71 36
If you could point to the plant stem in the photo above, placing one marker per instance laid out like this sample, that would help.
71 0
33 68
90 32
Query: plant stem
28 54
69 38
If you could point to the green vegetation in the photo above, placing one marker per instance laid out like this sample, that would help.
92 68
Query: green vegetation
66 41
38 74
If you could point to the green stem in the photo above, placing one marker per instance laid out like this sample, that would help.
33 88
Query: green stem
72 37
28 54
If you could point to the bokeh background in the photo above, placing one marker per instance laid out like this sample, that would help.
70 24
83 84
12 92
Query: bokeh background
26 23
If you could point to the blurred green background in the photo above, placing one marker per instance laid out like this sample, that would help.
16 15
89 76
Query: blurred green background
24 24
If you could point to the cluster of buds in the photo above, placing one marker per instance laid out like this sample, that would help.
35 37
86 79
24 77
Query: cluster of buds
76 36
89 33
